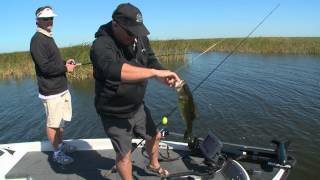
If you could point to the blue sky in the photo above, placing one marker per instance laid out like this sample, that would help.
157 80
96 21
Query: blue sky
78 20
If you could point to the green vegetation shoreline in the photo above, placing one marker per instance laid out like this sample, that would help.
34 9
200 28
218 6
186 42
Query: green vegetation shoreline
19 64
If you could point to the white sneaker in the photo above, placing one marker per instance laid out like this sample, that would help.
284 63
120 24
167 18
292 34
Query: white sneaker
62 158
67 148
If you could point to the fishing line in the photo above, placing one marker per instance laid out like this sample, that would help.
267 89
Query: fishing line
236 47
193 59
228 55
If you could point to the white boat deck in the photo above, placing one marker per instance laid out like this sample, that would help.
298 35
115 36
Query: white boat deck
95 157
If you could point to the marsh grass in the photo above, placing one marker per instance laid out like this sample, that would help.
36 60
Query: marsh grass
262 45
171 50
16 65
19 65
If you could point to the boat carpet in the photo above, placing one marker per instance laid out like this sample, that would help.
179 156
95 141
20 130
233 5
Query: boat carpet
91 164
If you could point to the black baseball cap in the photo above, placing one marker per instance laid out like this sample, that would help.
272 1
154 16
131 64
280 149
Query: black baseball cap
130 17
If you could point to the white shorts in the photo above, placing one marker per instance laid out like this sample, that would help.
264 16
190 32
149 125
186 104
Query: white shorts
58 110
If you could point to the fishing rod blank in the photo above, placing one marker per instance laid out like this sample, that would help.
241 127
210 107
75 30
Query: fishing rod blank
193 59
228 55
161 55
236 47
83 64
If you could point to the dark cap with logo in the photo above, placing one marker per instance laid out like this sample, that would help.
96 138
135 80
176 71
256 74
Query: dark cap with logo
130 17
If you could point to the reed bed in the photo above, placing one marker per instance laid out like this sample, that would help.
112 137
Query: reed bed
19 64
16 65
262 45
170 50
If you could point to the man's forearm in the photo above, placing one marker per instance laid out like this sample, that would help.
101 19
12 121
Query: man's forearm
135 73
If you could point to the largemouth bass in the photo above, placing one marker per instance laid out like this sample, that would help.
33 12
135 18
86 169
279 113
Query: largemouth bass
186 107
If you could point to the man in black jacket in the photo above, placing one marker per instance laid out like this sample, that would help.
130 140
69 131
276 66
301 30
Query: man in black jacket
123 61
52 82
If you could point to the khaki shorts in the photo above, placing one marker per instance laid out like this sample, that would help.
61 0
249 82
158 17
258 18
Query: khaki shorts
58 110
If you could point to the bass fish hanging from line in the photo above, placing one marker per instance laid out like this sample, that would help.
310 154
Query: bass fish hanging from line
186 107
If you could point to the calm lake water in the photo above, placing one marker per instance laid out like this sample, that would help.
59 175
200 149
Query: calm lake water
251 99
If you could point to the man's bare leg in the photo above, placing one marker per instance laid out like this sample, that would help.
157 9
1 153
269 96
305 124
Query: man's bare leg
124 166
53 134
152 147
60 135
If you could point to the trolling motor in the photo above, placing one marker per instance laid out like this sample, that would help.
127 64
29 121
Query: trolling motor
281 150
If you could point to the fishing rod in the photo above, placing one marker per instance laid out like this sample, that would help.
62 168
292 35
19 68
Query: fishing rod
83 64
237 46
229 54
161 55
173 54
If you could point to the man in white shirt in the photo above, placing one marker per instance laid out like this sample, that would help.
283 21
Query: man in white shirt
52 82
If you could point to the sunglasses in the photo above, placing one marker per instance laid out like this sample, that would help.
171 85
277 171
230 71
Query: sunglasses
46 19
126 30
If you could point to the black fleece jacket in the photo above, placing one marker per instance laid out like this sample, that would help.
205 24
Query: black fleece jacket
49 66
114 98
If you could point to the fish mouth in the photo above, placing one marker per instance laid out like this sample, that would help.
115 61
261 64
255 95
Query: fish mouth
179 84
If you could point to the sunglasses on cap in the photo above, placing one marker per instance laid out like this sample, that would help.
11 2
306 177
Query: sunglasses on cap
46 19
126 30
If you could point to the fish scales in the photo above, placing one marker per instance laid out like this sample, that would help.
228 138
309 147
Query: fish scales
186 106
